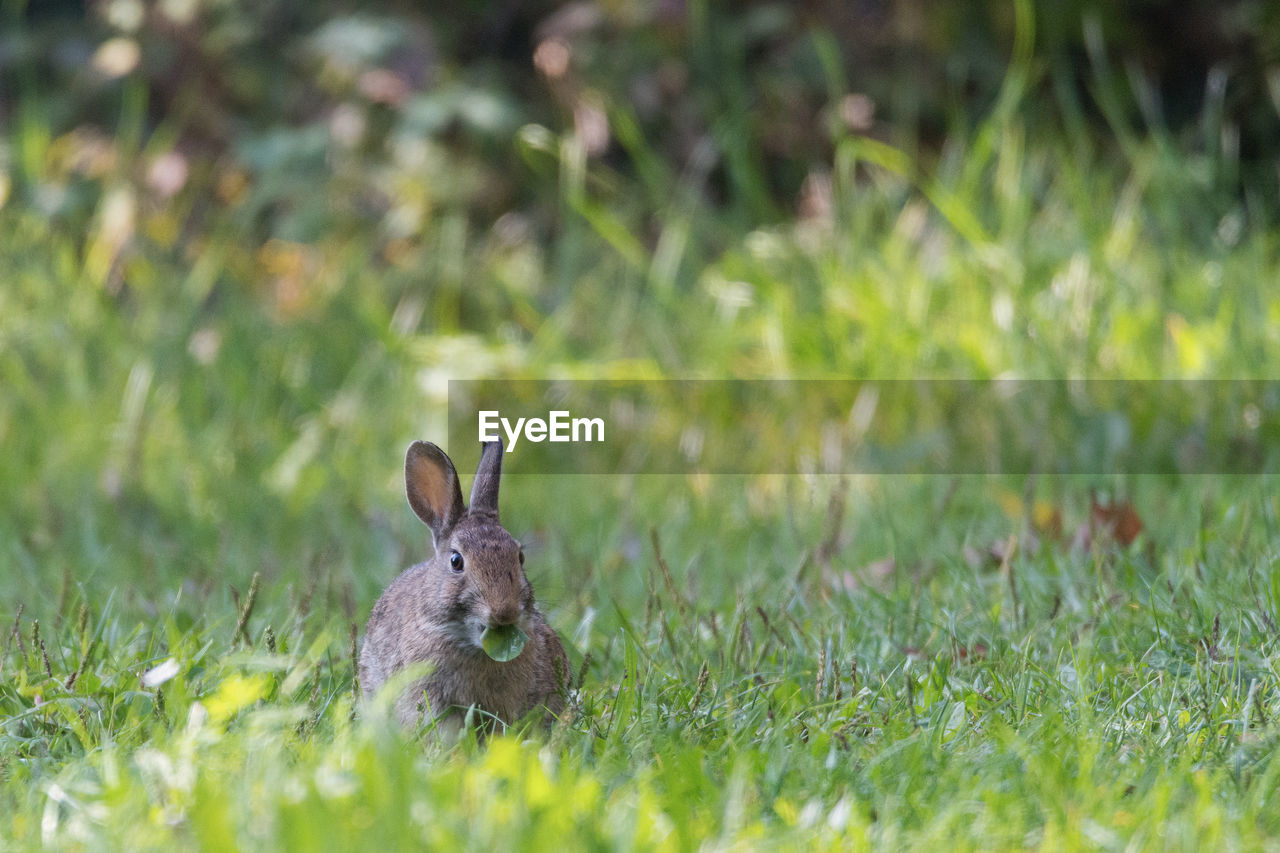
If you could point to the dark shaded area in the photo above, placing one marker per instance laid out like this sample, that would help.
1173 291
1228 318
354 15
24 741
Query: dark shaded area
765 87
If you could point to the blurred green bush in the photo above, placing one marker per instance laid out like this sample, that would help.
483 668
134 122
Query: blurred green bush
313 120
245 244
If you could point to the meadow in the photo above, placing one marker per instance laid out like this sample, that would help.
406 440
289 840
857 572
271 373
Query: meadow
207 391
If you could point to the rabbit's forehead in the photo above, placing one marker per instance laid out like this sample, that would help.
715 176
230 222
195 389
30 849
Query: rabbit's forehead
484 539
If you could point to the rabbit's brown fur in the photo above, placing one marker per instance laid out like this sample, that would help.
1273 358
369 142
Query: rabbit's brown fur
433 614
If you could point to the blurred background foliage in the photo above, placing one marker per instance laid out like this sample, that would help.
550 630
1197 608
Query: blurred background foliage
245 244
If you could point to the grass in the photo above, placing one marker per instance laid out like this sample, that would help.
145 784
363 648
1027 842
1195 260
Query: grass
738 694
202 436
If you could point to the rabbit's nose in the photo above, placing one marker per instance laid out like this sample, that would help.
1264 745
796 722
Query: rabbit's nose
507 614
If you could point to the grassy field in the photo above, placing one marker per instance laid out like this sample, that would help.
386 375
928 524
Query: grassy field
201 497
746 694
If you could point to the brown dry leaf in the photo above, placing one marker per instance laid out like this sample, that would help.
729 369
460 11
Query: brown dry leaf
1117 521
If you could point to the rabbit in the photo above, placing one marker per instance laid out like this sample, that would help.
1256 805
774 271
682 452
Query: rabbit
439 611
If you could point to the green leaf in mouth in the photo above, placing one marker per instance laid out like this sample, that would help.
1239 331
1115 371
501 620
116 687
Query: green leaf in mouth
503 642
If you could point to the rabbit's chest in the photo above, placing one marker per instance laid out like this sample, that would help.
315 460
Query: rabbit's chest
501 690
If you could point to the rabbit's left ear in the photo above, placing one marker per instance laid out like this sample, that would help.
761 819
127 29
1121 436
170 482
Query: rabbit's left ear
431 484
484 491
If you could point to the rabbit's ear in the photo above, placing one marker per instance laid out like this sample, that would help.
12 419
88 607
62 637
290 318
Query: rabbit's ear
431 483
484 491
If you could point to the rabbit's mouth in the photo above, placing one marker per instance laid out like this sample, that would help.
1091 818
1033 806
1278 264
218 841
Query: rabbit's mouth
500 643
503 642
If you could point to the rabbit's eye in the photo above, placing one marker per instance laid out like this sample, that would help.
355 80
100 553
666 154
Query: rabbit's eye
455 563
522 558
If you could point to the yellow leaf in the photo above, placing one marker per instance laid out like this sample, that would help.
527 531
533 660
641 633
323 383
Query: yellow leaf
235 694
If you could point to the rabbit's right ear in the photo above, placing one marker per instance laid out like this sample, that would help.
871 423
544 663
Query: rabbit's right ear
431 484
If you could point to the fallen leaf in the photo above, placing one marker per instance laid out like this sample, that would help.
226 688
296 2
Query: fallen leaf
1117 521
